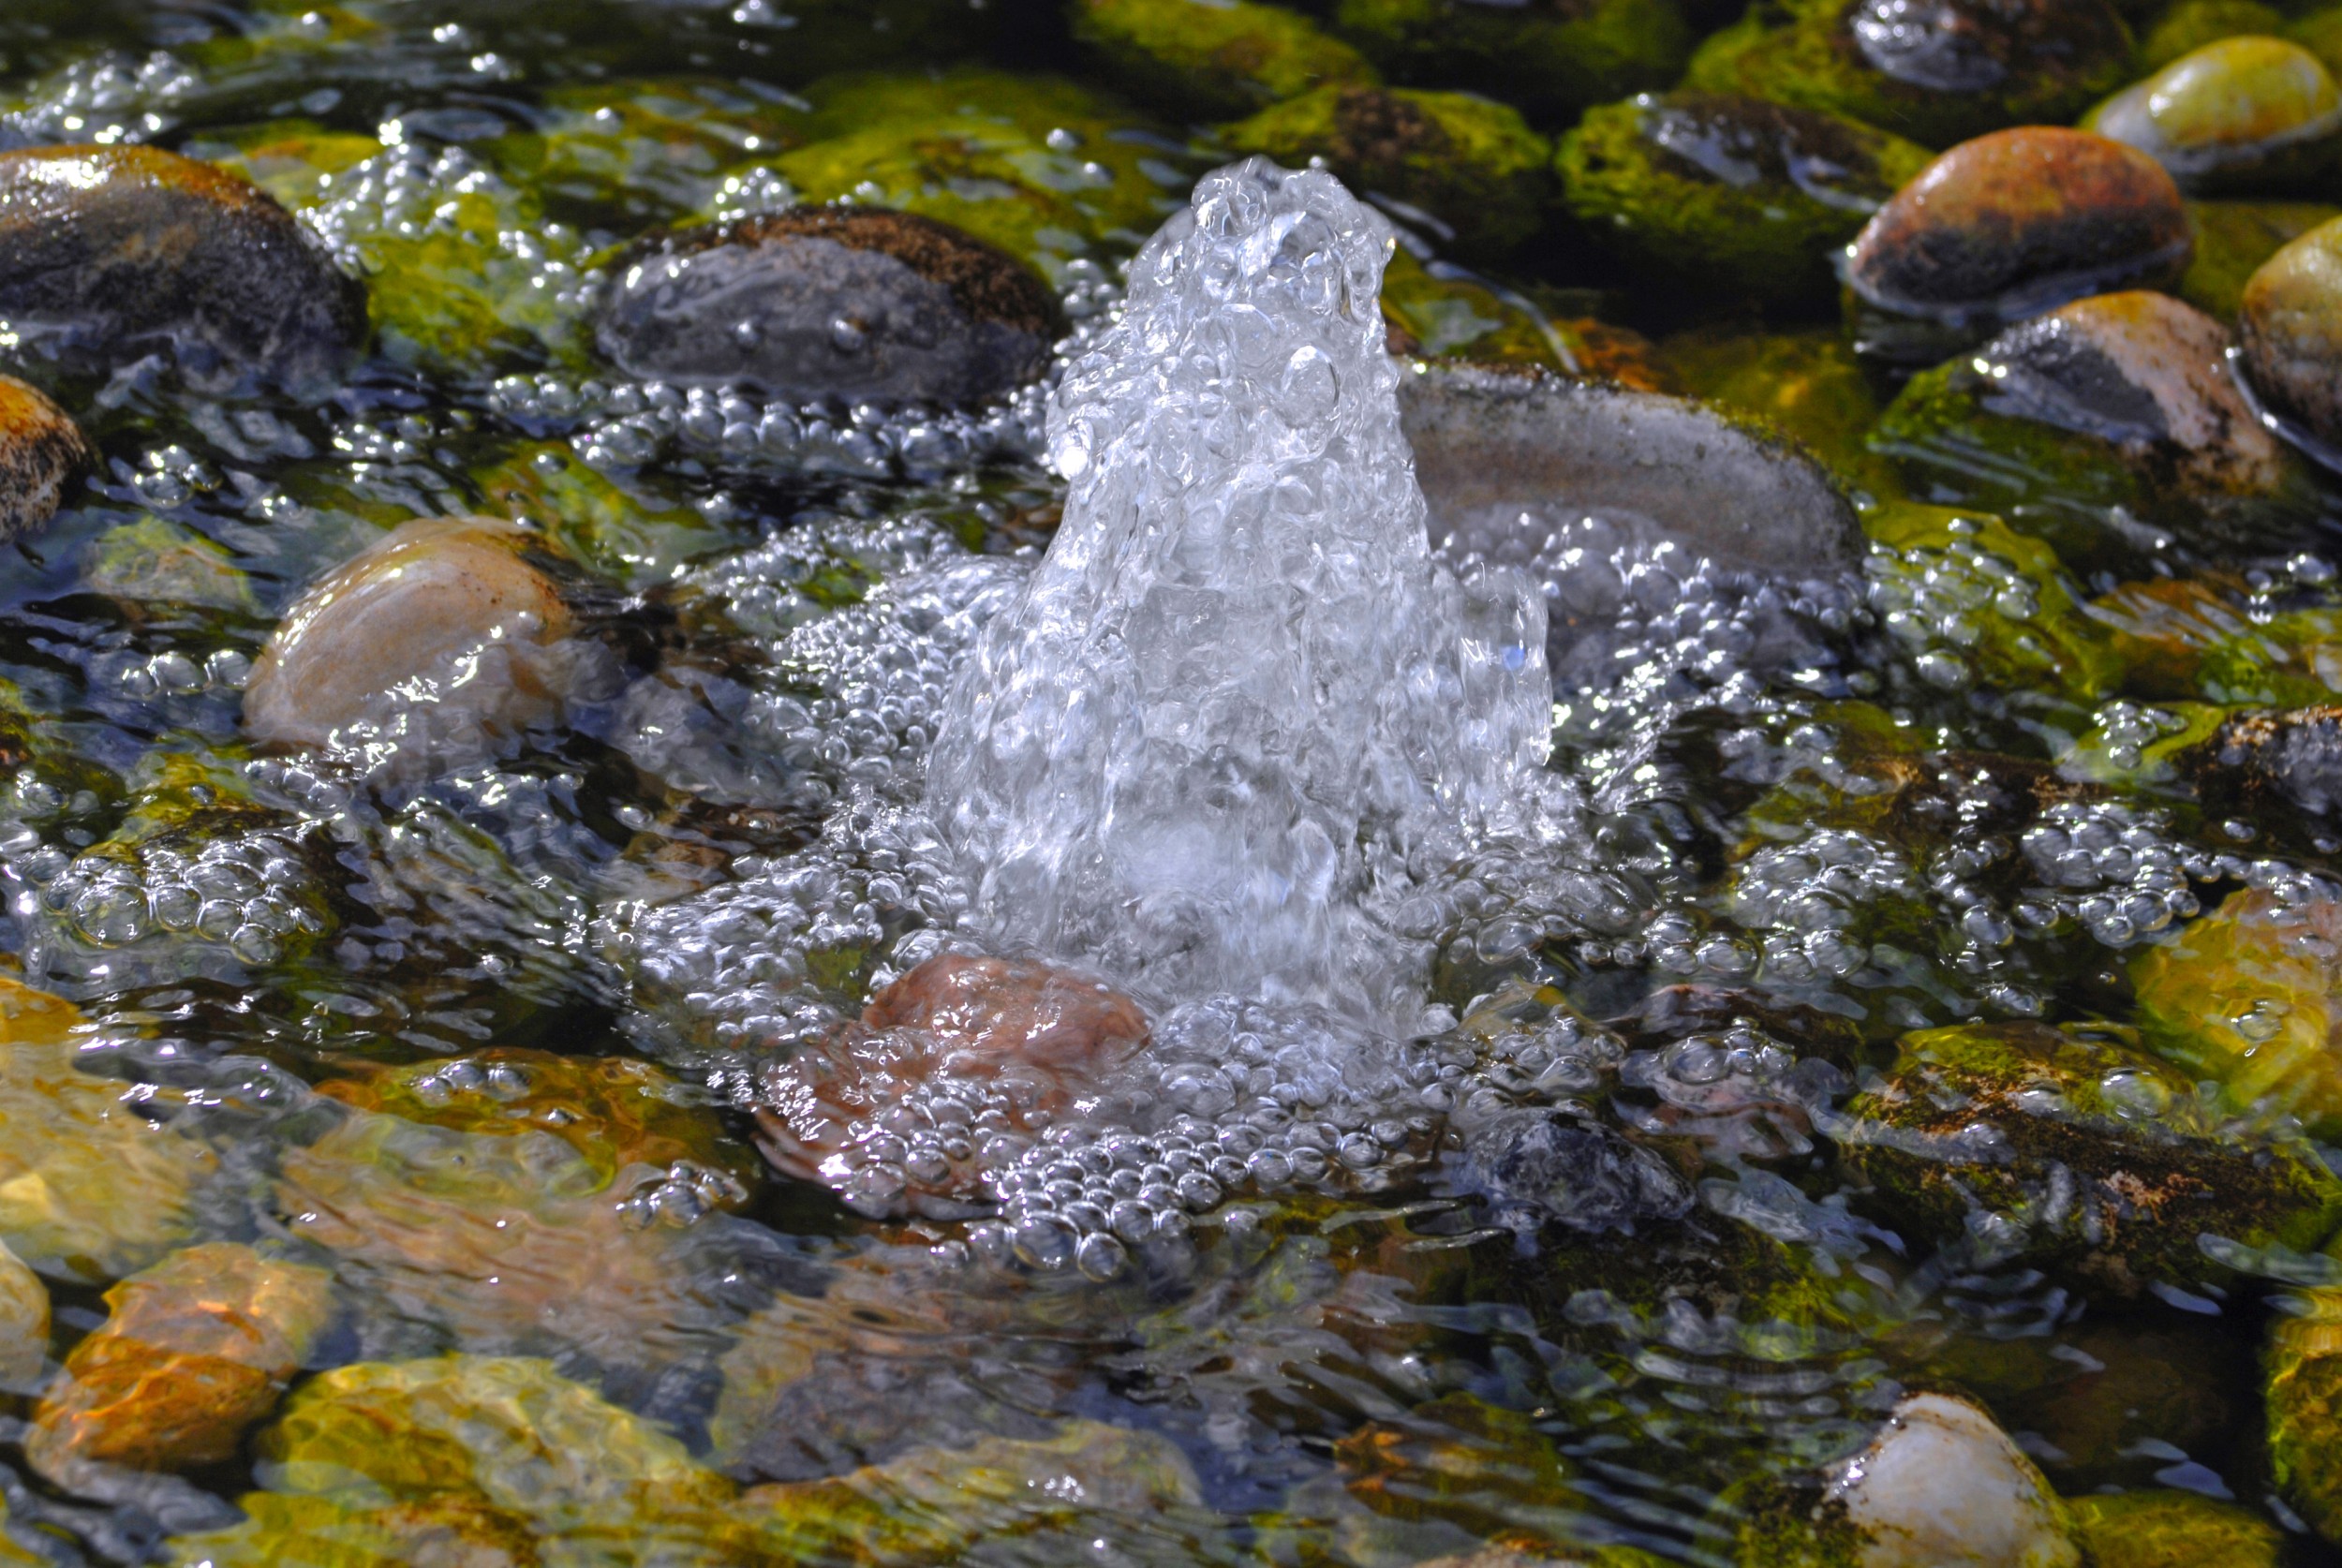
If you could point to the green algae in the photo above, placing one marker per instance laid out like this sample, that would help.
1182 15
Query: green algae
2190 24
623 528
2174 1529
153 561
1469 162
644 151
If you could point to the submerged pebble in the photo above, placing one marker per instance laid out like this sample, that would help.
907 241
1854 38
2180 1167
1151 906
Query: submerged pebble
2019 221
441 633
134 249
2291 331
2236 115
41 449
1941 1484
821 302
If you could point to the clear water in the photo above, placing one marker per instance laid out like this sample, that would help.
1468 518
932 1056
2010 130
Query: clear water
819 635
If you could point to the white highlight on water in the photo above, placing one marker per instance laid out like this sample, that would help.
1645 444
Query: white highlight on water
1239 710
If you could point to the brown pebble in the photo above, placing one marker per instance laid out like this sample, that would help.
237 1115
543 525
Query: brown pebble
41 449
2019 221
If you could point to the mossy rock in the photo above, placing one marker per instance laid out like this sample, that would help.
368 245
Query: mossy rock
2304 1408
2233 239
1471 164
2290 660
1806 383
1806 54
2251 995
2320 32
1031 164
2174 1529
2193 23
1216 59
1736 195
2167 764
1551 57
2096 1164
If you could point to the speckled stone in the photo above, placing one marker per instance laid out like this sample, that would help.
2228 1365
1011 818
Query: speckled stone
41 449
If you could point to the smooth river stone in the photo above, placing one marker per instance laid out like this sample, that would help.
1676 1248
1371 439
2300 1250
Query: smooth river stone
414 607
2147 372
2290 327
1942 1487
2236 112
1489 444
41 449
138 250
2019 221
818 301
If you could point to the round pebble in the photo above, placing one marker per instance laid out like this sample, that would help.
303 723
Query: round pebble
2236 114
2291 331
41 449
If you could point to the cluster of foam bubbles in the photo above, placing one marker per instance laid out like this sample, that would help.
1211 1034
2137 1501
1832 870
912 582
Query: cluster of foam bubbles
245 894
1939 604
1238 692
105 98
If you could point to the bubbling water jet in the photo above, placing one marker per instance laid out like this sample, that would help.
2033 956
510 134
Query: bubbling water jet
1239 701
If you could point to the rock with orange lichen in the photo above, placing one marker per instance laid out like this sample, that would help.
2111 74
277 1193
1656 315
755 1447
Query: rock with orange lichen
196 1350
132 249
961 1043
41 449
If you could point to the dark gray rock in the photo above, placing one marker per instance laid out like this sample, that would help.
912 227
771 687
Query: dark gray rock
854 302
132 249
1534 1167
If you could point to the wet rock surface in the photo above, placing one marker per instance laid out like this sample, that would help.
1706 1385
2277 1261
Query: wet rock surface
822 302
1473 165
1533 1168
138 250
2289 327
2077 1154
1742 194
450 604
1219 60
1942 1484
23 1324
2232 115
1935 72
2019 222
1551 57
194 1351
41 450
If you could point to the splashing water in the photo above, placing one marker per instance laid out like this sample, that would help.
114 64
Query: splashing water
1238 699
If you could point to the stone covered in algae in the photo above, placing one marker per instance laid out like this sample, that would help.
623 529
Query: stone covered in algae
1994 603
1551 57
1936 76
1805 383
2174 1529
23 1324
1210 61
1745 196
2104 412
1472 164
1442 312
492 1459
2233 239
152 561
1031 164
2248 996
90 1189
195 1351
2303 1405
2071 1152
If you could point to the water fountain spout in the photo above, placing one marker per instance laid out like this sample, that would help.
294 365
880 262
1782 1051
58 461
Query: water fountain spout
1238 699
